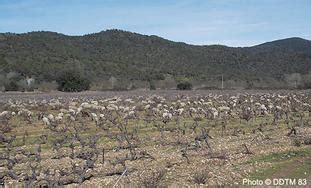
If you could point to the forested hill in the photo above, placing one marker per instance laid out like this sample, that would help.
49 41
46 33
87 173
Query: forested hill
131 56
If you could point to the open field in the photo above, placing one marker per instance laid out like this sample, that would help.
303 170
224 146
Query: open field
171 94
151 139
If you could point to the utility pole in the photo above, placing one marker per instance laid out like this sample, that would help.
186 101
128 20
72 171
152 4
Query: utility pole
222 81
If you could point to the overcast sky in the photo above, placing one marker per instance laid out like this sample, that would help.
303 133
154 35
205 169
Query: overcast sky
228 22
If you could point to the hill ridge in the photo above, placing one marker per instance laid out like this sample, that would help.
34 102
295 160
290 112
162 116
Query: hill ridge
133 56
146 35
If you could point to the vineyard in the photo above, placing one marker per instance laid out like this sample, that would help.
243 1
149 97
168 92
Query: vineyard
154 139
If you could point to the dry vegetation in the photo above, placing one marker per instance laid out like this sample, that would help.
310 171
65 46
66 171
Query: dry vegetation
153 140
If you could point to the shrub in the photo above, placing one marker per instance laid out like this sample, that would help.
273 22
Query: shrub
72 82
24 86
184 85
12 81
47 86
152 85
11 86
296 142
200 177
153 179
307 141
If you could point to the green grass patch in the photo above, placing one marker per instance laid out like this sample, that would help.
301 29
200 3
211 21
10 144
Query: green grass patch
284 169
286 163
282 156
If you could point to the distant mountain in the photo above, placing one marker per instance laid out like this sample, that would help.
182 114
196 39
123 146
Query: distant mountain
294 44
132 56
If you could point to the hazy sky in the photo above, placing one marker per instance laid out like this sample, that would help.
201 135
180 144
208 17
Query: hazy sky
228 22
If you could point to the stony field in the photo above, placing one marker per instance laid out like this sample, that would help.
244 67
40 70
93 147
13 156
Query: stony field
154 139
